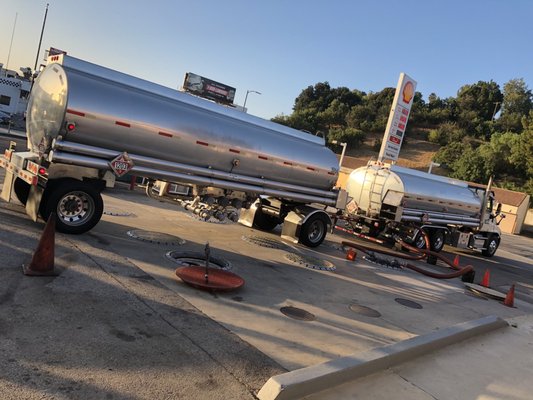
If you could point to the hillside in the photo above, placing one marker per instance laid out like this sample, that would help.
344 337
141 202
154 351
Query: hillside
415 153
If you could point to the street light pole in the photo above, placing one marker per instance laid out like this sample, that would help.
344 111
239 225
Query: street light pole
246 98
41 39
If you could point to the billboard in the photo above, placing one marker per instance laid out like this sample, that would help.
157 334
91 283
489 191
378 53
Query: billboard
397 123
208 88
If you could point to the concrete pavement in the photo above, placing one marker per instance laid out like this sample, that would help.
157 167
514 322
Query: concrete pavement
117 322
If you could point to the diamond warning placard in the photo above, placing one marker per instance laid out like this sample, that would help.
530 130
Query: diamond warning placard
121 164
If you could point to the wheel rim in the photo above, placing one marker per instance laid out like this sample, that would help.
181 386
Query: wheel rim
493 245
420 242
316 231
438 243
75 208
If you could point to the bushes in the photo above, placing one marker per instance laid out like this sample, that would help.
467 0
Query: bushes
351 136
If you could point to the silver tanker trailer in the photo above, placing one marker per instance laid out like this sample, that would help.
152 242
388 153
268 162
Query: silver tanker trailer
87 125
390 200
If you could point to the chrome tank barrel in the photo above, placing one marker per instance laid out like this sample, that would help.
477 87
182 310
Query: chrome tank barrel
417 191
115 111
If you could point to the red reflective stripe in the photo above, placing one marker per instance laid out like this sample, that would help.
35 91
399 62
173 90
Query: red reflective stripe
262 157
79 113
287 163
120 123
235 151
165 134
311 169
202 143
331 173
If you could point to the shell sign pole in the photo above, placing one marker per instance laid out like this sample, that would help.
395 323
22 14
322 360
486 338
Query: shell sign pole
399 114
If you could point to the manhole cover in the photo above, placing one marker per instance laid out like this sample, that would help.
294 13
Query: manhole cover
297 313
117 212
216 280
156 237
408 303
265 241
366 311
190 258
310 262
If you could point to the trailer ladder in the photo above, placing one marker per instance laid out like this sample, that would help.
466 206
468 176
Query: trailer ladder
376 190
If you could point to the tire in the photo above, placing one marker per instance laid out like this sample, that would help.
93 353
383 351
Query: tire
264 222
314 230
420 241
22 190
78 206
436 240
491 245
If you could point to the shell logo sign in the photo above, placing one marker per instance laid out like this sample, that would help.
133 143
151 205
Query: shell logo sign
397 123
408 92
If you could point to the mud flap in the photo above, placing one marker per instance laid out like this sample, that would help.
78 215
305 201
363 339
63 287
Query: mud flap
247 215
34 202
291 226
7 189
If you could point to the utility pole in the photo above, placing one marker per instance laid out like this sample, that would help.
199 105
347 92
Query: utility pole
41 39
11 44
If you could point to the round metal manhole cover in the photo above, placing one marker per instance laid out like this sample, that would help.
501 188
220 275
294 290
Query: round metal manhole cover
116 212
408 303
216 280
366 311
297 313
310 262
191 259
265 241
156 237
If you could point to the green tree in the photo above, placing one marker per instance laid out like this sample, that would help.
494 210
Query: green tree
476 105
517 102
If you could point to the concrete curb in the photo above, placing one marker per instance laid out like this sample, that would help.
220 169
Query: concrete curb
305 381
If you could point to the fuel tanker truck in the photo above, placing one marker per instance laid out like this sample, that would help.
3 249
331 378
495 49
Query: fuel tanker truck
87 125
389 200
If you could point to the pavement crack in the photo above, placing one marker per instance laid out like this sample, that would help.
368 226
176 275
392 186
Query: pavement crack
416 386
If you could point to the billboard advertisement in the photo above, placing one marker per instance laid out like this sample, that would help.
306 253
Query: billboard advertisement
397 123
208 88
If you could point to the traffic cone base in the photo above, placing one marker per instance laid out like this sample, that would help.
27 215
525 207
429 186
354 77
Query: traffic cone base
42 262
486 279
509 299
456 261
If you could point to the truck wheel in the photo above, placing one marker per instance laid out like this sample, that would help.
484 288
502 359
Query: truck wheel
22 190
436 240
264 222
420 241
314 230
491 245
78 206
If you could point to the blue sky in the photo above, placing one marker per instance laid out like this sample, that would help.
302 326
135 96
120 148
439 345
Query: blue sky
279 47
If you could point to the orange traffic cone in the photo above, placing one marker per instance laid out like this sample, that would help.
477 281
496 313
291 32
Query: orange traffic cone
486 279
509 299
456 261
42 262
351 254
